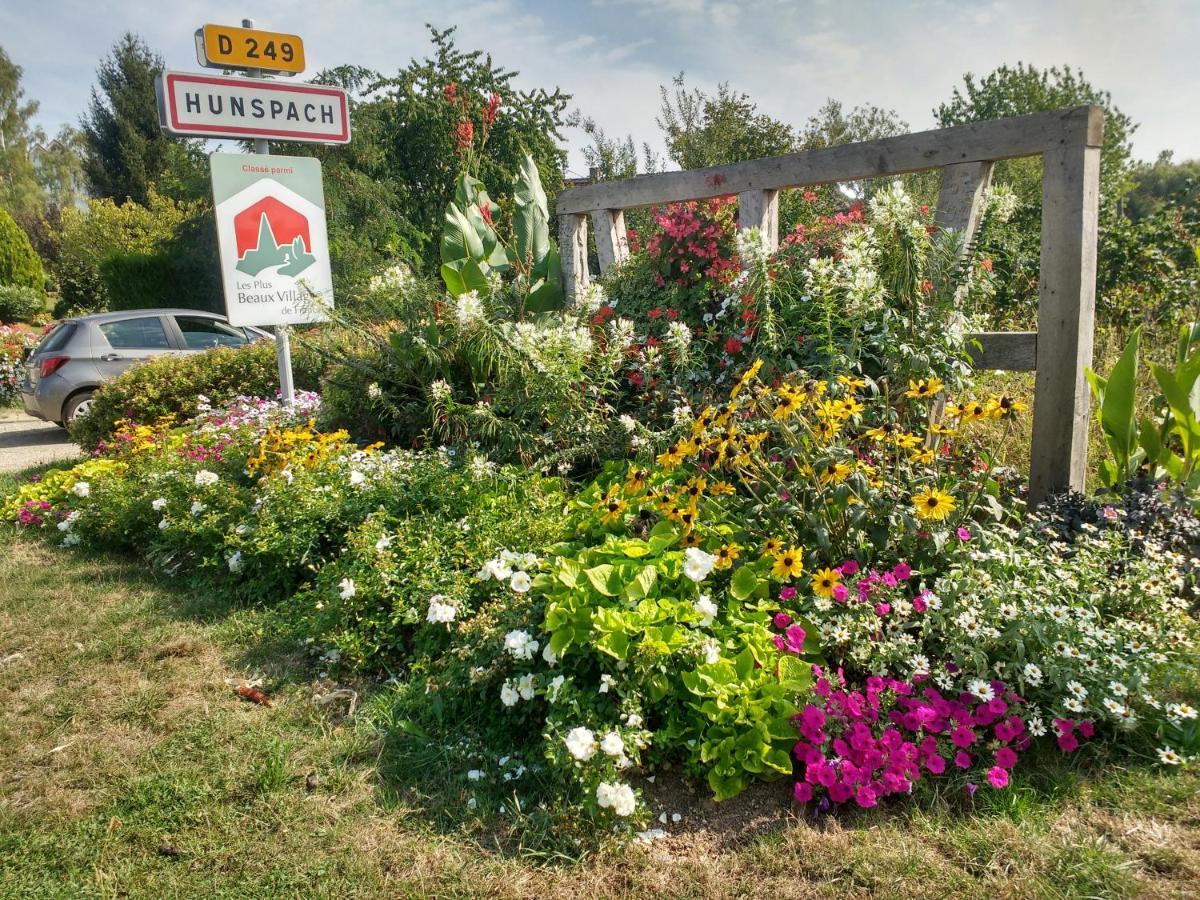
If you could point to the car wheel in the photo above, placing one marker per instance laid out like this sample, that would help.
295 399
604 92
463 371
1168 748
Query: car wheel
76 407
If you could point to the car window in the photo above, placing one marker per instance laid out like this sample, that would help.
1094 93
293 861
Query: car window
200 333
57 338
136 334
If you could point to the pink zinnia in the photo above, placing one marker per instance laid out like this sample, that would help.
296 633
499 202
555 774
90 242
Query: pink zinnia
997 777
964 534
841 593
848 568
782 620
919 603
787 593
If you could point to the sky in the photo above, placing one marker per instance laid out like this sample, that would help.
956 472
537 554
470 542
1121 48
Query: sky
612 55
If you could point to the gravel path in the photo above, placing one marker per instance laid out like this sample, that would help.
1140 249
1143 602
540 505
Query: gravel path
26 441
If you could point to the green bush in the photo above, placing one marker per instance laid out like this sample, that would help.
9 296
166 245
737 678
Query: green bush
170 386
19 304
19 264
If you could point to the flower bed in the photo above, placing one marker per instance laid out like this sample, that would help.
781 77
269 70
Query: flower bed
783 567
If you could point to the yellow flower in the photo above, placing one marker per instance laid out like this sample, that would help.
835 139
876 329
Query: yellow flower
726 554
613 509
926 387
826 430
1002 407
721 489
908 441
670 458
695 489
933 504
854 383
824 581
746 378
971 411
834 473
772 547
923 457
789 405
635 481
788 564
691 539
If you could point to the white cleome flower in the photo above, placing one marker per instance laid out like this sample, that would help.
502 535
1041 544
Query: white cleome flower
81 489
440 391
468 308
520 582
697 564
383 543
204 478
616 796
612 744
348 589
581 743
706 608
440 610
520 644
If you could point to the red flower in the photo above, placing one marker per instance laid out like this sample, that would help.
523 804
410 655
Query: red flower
636 379
493 107
651 342
987 264
732 346
465 133
654 313
486 212
672 314
927 286
810 197
451 92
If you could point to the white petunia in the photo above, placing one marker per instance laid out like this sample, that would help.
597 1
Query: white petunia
81 489
163 524
555 685
527 686
606 682
356 477
549 655
711 651
697 564
581 743
475 775
348 589
520 582
706 608
508 694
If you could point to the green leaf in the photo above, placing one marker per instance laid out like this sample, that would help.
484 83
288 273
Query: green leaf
1117 416
743 583
604 579
459 239
462 276
778 759
643 584
531 217
744 664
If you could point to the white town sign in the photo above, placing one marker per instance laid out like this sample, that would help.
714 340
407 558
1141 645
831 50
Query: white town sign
220 106
271 231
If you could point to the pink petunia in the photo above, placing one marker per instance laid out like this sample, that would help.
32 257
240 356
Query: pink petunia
964 534
1006 757
802 792
962 759
1068 743
997 777
848 568
841 593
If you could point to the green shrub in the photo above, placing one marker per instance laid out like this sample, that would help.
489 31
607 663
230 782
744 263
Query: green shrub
19 264
170 386
19 303
158 279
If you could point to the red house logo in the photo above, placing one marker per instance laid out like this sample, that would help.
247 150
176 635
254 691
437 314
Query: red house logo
270 233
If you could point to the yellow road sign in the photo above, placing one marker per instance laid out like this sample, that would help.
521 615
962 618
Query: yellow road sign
227 47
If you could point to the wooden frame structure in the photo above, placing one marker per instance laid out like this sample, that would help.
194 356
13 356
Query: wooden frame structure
1067 140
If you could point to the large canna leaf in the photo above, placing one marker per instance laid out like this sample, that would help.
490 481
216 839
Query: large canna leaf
1116 413
531 217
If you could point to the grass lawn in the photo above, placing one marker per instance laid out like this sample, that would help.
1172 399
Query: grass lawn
131 768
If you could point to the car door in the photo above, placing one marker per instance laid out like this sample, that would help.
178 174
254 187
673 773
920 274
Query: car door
201 333
126 342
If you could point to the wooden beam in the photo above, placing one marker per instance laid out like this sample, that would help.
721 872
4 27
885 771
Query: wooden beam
760 209
572 250
1004 351
612 244
1066 313
976 142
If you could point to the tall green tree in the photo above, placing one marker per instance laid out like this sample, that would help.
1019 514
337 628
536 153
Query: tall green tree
126 152
711 129
20 192
387 190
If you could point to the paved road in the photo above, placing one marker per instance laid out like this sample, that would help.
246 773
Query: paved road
26 441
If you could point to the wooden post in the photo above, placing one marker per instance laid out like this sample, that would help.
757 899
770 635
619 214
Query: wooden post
960 198
612 243
760 209
1066 313
572 249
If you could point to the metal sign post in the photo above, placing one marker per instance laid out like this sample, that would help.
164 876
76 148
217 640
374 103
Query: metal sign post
283 344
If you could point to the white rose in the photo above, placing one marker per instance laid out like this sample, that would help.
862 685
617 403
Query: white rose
81 489
509 695
612 744
205 478
581 743
619 797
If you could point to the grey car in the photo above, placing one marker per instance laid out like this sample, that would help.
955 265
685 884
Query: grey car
77 355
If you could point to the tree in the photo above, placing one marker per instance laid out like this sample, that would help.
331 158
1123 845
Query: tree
1163 183
126 151
608 159
702 130
1023 89
19 265
20 192
387 190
